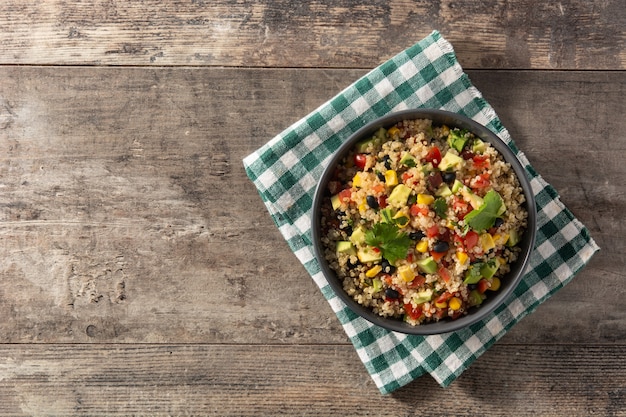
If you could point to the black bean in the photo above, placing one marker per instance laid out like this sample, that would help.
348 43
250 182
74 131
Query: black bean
348 229
380 175
372 202
391 293
441 246
499 222
419 235
387 161
449 177
387 267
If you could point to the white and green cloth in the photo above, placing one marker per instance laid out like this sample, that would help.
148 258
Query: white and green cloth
287 168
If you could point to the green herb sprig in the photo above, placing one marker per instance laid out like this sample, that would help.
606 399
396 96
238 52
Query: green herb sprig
387 237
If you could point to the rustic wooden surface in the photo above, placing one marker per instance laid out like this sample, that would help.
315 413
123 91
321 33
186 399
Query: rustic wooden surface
140 272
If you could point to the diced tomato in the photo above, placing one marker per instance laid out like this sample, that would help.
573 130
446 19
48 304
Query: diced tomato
441 313
375 249
458 241
432 231
483 285
345 195
382 201
467 154
360 160
437 255
378 188
413 312
481 161
444 297
471 239
480 181
444 274
417 282
406 176
433 156
460 207
416 210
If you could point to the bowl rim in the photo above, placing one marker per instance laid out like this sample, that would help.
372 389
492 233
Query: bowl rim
518 268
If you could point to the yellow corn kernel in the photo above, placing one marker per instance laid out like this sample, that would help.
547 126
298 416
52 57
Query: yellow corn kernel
391 178
454 303
425 199
450 225
495 284
500 239
356 180
442 304
363 206
392 131
422 246
462 257
372 272
445 130
486 241
406 273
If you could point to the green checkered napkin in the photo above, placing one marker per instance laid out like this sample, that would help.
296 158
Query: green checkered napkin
286 170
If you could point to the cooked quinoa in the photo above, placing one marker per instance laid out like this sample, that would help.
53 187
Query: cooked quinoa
421 221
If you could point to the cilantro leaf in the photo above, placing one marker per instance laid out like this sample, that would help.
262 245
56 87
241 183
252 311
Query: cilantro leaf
440 207
388 238
484 217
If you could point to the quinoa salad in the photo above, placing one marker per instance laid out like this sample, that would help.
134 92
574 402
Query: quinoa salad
421 221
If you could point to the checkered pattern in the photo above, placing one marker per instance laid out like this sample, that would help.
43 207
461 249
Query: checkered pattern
287 168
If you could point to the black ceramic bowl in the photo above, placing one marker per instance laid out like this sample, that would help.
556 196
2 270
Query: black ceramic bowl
508 283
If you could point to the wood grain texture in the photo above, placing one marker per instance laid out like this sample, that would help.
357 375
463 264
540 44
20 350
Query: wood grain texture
141 273
236 380
126 216
569 34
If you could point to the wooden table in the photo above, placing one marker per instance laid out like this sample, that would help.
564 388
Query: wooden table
141 273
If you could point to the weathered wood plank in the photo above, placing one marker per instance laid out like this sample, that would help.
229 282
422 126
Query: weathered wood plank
228 380
570 34
125 214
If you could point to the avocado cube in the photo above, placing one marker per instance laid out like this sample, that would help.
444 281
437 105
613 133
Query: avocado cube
514 238
346 247
367 254
457 186
358 236
479 146
473 275
408 160
423 296
450 161
457 140
443 191
427 265
399 195
489 269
